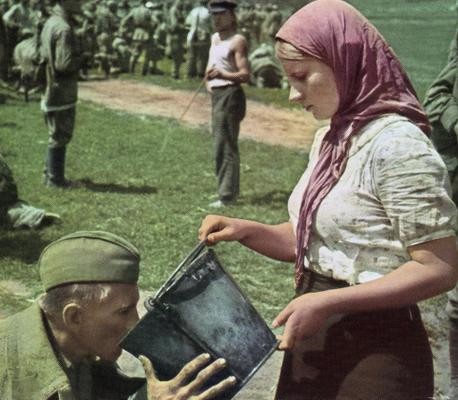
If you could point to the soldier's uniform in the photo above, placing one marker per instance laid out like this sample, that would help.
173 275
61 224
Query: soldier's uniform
16 20
198 40
3 51
122 51
14 212
139 20
60 52
31 364
441 105
176 37
265 68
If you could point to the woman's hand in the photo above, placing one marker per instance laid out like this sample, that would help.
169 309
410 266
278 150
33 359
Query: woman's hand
181 387
217 228
303 317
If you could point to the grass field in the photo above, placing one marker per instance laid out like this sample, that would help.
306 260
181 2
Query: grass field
150 179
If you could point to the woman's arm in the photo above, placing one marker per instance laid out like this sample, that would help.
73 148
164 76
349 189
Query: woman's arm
432 270
274 241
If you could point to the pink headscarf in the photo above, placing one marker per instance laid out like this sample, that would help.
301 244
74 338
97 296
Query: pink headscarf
370 82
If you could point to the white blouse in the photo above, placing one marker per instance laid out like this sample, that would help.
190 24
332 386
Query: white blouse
394 193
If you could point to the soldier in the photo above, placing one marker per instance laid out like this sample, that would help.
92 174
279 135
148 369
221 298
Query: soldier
441 105
198 39
227 69
65 345
122 51
265 69
139 20
3 48
62 57
159 41
16 20
271 25
176 37
246 21
14 212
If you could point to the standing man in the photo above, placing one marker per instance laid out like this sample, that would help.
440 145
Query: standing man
65 345
61 53
227 69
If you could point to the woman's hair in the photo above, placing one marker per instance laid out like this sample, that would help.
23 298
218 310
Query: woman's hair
83 294
286 51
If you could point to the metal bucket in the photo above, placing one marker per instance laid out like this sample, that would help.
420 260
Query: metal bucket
201 309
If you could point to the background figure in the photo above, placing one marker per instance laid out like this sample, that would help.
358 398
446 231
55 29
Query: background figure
198 39
371 223
14 212
265 69
227 69
140 22
18 21
3 50
176 37
61 53
441 105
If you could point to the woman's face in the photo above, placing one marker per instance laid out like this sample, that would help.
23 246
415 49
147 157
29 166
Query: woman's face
313 85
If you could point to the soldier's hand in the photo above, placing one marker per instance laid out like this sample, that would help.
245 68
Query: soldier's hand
180 388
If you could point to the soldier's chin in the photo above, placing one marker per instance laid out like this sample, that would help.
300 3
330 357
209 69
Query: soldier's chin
111 357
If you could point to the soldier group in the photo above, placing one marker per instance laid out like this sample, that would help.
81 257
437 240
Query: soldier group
115 36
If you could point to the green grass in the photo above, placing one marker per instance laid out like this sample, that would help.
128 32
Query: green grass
147 179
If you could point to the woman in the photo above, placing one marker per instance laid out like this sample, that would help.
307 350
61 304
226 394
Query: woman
371 226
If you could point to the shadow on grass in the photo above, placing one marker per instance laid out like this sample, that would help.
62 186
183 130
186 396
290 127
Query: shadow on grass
275 199
115 188
24 245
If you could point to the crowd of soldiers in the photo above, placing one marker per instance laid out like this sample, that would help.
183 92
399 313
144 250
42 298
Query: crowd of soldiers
115 36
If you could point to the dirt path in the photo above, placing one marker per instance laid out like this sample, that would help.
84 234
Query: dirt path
291 128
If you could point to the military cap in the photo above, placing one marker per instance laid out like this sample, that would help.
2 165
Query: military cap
88 256
217 6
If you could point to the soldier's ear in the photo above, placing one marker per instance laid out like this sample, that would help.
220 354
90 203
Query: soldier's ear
72 316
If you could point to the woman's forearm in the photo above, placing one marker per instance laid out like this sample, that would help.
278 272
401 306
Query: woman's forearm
274 241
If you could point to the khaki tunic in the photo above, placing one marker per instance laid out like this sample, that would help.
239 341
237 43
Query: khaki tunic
60 52
30 368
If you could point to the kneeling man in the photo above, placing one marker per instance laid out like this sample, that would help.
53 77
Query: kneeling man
65 345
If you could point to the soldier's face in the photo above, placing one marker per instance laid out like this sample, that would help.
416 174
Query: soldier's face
104 324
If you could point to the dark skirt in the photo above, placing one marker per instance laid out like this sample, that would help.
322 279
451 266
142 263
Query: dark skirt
377 355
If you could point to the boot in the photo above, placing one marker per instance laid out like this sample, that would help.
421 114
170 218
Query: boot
55 168
453 347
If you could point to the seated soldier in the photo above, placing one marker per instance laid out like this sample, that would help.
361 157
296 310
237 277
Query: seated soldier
14 212
265 68
65 345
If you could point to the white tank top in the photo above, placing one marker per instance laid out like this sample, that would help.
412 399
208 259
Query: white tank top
221 56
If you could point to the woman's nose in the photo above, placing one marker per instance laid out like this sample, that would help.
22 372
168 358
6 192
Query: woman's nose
294 95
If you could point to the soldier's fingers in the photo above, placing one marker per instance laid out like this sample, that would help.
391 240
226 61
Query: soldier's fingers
191 368
216 390
203 376
150 373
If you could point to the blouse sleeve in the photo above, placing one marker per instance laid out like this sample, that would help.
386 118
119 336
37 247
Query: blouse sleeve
413 187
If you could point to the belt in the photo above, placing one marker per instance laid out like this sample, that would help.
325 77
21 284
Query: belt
315 282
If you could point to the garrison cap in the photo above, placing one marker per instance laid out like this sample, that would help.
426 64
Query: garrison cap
217 6
89 256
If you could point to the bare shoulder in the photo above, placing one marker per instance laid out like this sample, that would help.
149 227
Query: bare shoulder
239 42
